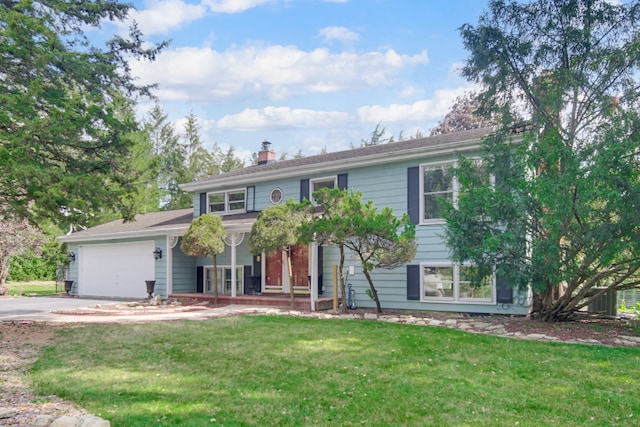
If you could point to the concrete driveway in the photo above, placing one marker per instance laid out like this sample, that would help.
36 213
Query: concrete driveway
40 308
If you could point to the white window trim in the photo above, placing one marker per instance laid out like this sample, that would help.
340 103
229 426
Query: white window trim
456 286
221 268
278 202
449 164
333 178
226 201
455 188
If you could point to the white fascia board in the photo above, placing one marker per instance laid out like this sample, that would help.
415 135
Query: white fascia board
178 231
372 160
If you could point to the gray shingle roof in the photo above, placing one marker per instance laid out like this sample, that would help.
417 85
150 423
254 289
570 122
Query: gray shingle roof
150 222
356 153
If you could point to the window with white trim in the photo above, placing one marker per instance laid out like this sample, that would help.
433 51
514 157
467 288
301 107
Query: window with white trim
455 283
318 183
224 280
439 182
226 202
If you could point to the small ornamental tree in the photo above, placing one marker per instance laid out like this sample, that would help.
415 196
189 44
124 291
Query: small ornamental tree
379 239
277 228
333 227
205 238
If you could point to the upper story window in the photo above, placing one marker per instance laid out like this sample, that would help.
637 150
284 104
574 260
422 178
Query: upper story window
318 183
439 182
225 202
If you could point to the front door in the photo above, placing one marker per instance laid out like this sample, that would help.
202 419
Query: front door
277 273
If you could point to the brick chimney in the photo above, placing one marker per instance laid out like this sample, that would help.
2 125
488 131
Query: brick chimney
266 155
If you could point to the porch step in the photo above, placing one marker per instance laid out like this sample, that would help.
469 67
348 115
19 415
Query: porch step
301 302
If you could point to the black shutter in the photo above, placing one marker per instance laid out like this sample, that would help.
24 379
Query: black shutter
320 264
342 181
413 282
413 194
200 280
203 203
504 292
257 274
304 189
248 280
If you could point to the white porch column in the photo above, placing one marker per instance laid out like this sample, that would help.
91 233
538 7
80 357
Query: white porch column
233 240
314 275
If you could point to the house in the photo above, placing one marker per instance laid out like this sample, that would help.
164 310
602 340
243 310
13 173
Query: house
115 259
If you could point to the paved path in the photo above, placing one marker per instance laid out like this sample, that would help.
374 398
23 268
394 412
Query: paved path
50 309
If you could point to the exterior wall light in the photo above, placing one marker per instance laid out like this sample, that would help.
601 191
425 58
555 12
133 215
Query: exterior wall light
71 257
157 253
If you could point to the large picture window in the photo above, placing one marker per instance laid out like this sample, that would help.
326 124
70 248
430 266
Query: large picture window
226 202
455 283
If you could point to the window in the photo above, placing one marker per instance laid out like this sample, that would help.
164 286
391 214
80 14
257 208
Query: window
227 202
276 196
455 283
437 182
224 280
317 184
440 182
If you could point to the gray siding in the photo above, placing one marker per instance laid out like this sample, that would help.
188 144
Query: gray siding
184 271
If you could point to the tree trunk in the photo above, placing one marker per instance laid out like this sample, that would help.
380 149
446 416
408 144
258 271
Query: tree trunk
343 290
290 267
374 293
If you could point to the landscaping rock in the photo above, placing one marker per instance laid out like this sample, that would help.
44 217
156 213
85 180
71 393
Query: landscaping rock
43 421
93 421
7 413
65 421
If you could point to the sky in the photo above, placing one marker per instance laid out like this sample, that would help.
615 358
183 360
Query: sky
305 75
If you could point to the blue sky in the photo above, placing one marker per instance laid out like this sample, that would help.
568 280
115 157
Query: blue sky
305 74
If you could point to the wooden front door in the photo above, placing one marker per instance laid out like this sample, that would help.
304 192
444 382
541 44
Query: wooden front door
277 273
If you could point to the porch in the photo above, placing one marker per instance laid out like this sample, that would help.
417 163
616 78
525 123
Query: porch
302 302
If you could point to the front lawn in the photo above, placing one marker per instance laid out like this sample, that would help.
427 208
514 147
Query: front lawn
270 370
32 289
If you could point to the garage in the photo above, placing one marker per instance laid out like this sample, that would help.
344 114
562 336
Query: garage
115 270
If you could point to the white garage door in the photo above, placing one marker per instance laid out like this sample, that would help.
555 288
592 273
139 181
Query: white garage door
116 270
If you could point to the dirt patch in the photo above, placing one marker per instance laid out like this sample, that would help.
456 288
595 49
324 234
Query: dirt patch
20 345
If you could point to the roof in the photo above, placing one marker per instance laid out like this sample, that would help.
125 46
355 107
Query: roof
149 224
364 155
152 224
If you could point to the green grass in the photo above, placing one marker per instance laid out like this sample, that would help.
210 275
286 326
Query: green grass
269 370
31 289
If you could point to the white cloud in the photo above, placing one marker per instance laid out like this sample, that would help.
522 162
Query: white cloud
338 33
273 72
233 6
418 112
163 16
281 117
